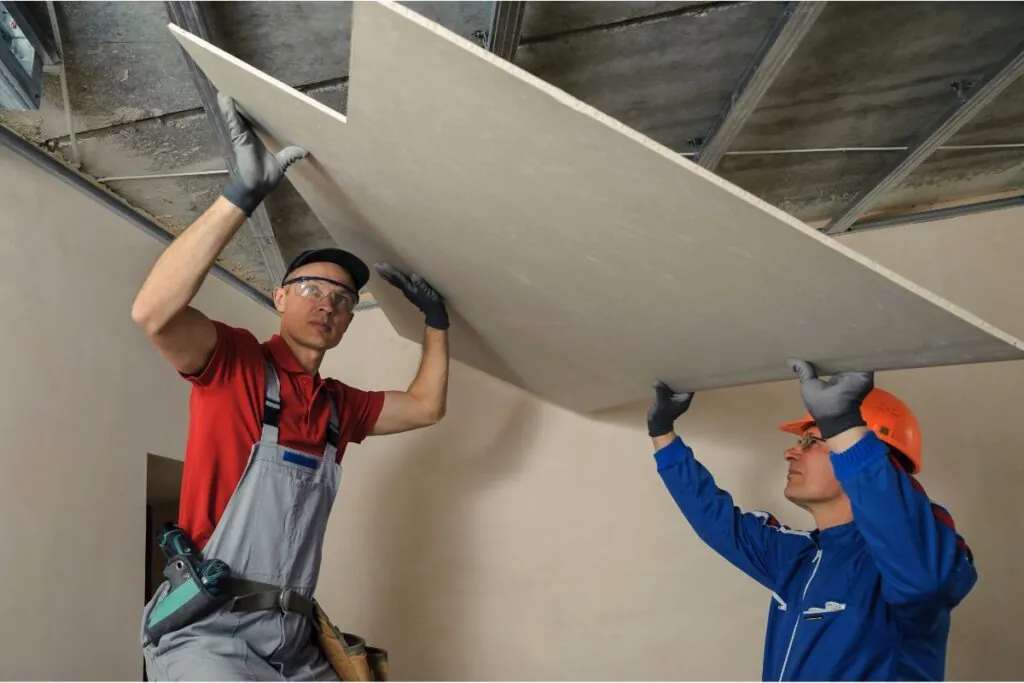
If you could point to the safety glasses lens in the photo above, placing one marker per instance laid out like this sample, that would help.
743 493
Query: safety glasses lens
340 300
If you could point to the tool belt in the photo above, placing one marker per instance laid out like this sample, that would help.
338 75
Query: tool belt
349 655
197 587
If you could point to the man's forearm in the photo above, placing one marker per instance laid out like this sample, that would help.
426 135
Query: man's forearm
430 387
663 440
843 441
179 272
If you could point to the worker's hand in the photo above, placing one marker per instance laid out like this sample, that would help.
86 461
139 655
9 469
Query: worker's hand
419 292
667 407
257 171
834 404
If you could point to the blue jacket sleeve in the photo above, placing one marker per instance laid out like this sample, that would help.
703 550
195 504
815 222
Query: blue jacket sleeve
923 561
754 542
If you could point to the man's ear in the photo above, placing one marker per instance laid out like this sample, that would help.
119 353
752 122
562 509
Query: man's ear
279 295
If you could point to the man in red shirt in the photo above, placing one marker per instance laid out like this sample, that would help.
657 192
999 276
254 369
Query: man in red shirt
267 433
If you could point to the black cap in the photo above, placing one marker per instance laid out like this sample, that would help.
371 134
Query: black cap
350 262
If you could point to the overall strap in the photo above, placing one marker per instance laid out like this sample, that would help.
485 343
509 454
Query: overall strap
333 433
271 404
272 414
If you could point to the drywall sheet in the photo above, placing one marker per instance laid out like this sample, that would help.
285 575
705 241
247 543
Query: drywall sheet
583 260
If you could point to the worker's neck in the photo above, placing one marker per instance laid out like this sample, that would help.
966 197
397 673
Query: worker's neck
831 514
309 359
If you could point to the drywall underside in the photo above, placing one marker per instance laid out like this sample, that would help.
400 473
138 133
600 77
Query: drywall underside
581 260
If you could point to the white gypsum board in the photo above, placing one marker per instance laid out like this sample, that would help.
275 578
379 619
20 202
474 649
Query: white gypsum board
255 95
586 259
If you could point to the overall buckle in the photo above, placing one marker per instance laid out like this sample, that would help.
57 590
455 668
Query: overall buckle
284 600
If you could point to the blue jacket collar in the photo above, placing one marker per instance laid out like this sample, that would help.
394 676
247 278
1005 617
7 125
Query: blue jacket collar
835 535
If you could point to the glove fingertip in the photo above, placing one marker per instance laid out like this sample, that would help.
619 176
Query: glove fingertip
225 103
802 368
289 155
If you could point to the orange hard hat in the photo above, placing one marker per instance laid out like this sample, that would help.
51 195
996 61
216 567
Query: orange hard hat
888 417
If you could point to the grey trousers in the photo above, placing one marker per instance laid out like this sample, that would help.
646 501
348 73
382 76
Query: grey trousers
249 646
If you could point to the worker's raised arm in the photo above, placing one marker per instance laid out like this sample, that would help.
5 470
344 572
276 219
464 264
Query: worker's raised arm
425 401
925 564
755 543
183 335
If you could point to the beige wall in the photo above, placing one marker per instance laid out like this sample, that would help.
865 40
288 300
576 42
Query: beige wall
513 541
84 399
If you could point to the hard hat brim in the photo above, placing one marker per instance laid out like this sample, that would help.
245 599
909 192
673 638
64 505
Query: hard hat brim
797 427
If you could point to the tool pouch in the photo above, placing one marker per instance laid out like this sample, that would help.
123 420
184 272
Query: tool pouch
377 658
188 598
348 654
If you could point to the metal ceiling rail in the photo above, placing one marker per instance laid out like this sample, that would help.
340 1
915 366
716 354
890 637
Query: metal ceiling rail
937 214
735 152
156 176
506 28
785 37
931 139
190 16
835 150
65 94
54 167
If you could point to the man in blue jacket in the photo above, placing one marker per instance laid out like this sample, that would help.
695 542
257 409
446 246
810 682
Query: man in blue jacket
868 594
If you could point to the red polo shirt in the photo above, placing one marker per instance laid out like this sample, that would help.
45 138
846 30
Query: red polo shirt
225 420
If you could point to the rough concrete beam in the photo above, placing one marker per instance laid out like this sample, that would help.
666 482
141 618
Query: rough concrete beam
667 77
932 139
785 37
506 28
547 21
190 16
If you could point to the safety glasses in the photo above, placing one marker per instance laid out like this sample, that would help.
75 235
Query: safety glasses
808 441
317 289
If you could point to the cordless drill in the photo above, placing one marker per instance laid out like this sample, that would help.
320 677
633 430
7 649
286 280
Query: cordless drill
194 584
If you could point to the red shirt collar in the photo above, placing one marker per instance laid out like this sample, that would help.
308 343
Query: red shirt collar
283 356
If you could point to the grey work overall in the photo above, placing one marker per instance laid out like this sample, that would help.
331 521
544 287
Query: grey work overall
272 532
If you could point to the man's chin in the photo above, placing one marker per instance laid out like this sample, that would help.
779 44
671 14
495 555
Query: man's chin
319 342
793 496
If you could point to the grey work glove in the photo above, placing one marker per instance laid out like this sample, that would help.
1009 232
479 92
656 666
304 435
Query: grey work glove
667 407
421 294
257 171
834 404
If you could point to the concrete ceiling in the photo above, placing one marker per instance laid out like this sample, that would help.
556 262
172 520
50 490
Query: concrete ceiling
867 75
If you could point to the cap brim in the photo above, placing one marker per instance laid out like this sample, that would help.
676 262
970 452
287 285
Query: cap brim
353 265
